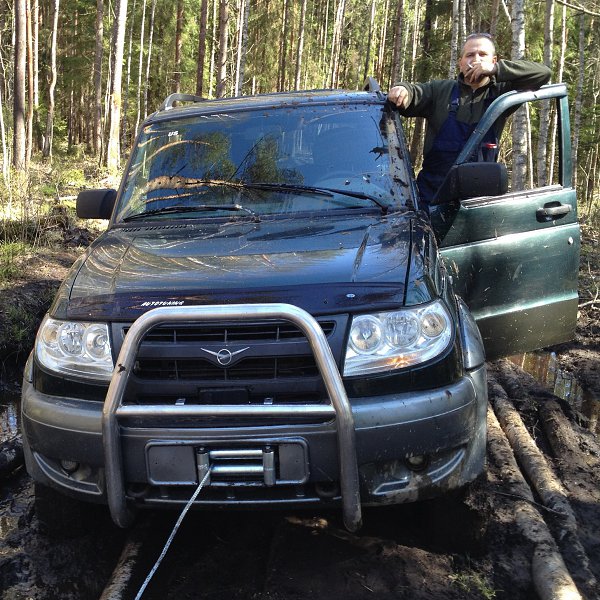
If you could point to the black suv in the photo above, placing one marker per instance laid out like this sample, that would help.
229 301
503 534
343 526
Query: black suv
270 312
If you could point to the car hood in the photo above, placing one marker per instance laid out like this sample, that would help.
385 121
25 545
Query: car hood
239 261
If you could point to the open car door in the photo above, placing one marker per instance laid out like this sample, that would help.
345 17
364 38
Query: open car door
513 255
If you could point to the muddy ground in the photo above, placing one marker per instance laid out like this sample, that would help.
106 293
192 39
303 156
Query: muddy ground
469 546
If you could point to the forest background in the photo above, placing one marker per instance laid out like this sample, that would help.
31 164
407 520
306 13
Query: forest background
77 77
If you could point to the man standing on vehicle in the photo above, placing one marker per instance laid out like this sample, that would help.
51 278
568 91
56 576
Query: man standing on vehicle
453 108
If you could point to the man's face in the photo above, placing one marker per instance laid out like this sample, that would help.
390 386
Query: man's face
477 50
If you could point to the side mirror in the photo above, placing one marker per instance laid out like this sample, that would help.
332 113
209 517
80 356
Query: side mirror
471 180
96 204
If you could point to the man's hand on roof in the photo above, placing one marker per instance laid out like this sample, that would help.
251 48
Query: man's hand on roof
399 96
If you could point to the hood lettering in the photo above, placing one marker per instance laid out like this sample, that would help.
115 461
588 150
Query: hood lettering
154 303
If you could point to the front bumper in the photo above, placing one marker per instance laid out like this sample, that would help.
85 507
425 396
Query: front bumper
359 451
447 424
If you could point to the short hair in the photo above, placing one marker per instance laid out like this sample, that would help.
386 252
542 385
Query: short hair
475 36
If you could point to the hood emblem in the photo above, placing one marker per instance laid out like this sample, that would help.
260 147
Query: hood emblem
224 356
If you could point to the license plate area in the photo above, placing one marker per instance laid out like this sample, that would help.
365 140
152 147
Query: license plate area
259 463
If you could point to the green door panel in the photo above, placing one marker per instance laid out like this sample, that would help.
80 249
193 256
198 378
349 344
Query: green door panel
488 218
521 288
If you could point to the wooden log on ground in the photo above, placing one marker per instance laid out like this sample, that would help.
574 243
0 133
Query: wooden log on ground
550 575
542 478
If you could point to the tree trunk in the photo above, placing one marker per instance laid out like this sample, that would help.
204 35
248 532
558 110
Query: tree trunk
519 137
125 107
455 41
201 46
578 97
542 169
140 67
47 150
148 59
368 70
178 46
561 69
5 172
242 47
19 135
300 49
381 58
494 17
222 59
97 132
592 182
213 45
416 26
398 33
35 15
29 145
113 154
336 44
284 47
323 42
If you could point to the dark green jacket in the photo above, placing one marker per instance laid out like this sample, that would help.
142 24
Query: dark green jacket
432 99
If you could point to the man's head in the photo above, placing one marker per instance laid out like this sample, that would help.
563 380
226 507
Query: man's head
478 59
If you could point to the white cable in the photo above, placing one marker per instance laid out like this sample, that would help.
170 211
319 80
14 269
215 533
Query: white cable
175 528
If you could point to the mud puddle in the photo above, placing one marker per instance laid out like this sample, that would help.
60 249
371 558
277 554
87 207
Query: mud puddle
9 412
544 367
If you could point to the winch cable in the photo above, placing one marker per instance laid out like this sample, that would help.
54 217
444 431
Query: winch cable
186 508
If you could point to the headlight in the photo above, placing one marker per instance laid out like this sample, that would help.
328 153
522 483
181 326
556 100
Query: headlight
394 340
75 348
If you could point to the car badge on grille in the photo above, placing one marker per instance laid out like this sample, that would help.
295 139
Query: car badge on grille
225 356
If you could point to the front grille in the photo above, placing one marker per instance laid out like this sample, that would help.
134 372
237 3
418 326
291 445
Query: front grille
267 367
257 332
271 363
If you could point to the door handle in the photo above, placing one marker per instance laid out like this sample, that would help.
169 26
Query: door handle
550 212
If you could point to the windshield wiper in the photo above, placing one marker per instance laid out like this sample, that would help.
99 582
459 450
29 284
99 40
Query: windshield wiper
286 187
308 189
382 205
185 209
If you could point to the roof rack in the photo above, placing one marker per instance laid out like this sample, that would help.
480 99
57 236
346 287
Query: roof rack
172 98
371 85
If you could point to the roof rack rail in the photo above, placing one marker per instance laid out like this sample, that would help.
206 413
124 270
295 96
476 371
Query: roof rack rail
371 85
172 98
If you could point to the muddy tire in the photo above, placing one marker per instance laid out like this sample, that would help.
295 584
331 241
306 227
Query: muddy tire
60 516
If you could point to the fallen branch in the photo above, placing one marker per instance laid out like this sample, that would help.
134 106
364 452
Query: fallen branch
578 8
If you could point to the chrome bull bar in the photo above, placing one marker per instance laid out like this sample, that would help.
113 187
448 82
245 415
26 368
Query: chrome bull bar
339 408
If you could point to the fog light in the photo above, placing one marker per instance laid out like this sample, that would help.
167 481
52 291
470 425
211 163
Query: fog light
70 466
417 463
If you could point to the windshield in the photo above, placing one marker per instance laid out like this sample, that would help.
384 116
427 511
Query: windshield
255 163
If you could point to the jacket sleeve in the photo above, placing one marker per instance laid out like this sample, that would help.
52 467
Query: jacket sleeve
522 74
421 98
